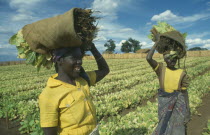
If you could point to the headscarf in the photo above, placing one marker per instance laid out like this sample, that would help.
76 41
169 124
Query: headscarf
60 52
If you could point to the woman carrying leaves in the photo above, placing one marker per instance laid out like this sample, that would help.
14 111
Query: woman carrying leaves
173 102
66 105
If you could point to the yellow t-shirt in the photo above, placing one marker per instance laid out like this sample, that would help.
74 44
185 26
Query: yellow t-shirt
68 107
171 80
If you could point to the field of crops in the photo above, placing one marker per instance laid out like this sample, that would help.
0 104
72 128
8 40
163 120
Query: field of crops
123 99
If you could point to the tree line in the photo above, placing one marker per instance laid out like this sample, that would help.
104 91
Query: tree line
132 45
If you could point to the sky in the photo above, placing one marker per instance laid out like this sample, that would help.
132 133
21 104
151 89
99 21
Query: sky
120 19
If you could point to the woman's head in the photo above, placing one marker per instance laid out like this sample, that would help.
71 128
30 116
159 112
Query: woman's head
68 61
171 60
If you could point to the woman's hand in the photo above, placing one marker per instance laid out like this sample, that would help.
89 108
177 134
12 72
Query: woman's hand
50 131
92 47
153 63
155 45
103 68
156 34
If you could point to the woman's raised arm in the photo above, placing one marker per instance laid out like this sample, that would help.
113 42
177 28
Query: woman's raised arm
103 68
153 63
150 54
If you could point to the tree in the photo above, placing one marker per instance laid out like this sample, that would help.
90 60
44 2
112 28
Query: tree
197 49
110 46
130 45
126 47
135 44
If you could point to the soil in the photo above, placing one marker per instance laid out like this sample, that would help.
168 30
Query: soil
12 128
199 122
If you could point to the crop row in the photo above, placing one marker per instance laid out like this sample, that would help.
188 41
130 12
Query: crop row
126 86
35 82
144 119
22 71
122 87
114 103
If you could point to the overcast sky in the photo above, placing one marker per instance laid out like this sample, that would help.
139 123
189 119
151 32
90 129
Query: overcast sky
121 19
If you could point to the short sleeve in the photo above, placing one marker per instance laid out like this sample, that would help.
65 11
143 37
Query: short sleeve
185 82
158 68
48 111
92 77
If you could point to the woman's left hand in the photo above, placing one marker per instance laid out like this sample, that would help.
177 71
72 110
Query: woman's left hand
103 68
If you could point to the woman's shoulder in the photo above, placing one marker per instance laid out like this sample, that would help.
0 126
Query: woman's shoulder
53 92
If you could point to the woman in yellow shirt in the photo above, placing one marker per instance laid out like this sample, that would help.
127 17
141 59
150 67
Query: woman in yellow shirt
173 102
66 105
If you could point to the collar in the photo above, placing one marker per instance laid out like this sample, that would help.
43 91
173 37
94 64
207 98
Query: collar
52 82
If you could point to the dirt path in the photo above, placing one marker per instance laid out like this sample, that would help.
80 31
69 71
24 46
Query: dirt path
196 125
12 130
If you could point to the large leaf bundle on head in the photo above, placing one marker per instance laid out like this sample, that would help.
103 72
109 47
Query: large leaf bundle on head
35 42
24 52
170 39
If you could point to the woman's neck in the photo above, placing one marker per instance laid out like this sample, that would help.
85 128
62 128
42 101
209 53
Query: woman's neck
171 68
66 78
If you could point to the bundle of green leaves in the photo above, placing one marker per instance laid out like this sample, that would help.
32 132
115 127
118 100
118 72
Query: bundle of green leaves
167 44
84 27
24 52
163 27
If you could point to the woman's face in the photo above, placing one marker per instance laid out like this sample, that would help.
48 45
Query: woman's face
171 62
72 63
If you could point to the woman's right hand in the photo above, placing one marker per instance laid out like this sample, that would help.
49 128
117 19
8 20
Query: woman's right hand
150 54
156 34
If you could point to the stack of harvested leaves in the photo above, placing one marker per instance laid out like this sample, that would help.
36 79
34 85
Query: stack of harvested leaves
24 52
84 26
170 39
36 41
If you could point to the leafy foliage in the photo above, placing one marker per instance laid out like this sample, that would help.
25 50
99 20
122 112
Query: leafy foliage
21 86
207 129
110 45
170 39
163 27
126 47
197 49
130 45
85 26
24 52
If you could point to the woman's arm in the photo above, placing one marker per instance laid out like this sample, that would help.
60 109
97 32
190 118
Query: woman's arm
103 68
185 82
50 131
150 54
